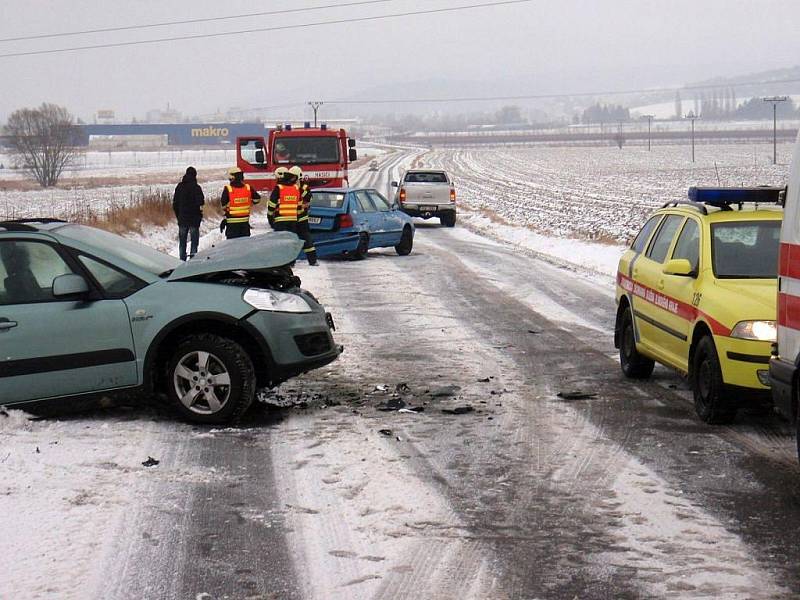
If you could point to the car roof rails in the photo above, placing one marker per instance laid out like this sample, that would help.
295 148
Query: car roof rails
701 208
25 224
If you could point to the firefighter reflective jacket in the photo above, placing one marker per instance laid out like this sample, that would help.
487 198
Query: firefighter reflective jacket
239 203
288 206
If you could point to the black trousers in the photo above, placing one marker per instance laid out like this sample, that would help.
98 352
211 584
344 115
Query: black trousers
301 230
237 230
186 233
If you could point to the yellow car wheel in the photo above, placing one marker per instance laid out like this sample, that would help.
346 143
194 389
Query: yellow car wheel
710 400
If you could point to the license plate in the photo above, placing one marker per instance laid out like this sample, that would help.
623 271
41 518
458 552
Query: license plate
427 208
315 220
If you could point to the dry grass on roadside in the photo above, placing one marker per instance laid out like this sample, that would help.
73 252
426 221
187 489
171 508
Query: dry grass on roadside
151 208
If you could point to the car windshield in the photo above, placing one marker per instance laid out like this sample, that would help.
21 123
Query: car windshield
327 199
305 150
745 250
426 177
111 245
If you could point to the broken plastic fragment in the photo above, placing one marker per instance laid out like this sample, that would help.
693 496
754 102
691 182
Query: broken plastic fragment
576 395
150 462
385 431
392 404
458 410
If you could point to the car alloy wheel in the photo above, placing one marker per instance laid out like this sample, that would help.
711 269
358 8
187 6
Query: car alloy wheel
202 382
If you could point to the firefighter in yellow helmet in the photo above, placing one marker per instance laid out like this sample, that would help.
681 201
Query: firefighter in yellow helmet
237 201
303 228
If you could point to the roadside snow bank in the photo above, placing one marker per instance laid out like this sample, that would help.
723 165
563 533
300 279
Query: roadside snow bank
65 486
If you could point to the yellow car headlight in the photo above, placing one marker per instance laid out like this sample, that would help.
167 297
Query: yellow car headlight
762 331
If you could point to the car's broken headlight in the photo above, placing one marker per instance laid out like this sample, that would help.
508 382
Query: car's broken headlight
764 331
275 301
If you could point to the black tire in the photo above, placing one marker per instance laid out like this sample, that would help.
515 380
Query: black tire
448 219
218 400
360 253
406 242
710 400
634 365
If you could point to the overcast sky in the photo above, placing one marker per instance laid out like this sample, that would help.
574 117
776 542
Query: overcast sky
539 46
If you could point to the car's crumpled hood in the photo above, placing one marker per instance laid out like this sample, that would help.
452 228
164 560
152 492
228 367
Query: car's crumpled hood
256 253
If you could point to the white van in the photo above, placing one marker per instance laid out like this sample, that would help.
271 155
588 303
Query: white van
785 361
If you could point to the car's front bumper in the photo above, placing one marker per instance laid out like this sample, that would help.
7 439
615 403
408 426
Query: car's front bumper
744 363
293 343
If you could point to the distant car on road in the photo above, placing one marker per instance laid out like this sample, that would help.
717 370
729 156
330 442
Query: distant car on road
696 292
427 193
86 312
373 166
353 220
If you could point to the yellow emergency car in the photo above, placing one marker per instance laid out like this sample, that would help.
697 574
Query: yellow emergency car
696 291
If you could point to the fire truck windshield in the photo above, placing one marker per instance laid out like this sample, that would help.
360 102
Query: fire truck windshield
305 150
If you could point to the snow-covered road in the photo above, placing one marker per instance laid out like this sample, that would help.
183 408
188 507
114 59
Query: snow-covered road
623 494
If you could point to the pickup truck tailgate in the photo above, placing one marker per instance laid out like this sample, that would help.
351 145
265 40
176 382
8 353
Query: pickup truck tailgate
426 193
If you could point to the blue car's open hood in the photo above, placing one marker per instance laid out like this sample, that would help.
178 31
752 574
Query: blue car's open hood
256 253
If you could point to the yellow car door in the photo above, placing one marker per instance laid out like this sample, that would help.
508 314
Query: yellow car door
679 284
648 300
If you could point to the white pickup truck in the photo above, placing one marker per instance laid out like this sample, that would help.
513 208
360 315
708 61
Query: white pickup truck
427 193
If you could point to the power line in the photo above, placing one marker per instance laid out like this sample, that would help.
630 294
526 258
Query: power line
266 29
190 21
562 95
527 96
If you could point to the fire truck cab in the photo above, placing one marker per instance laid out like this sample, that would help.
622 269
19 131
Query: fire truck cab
322 153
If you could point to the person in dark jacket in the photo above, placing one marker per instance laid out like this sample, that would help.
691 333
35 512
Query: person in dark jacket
188 206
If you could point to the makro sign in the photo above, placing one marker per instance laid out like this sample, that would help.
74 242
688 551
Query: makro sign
210 132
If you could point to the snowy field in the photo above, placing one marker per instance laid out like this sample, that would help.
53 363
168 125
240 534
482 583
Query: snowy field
598 193
94 163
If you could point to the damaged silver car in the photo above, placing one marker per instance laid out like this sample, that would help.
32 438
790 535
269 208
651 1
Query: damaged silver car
85 312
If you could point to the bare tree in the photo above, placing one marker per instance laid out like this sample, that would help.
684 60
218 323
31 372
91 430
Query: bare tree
44 140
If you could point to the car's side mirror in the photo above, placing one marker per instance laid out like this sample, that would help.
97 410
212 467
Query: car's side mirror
260 157
70 285
678 266
395 184
351 143
352 155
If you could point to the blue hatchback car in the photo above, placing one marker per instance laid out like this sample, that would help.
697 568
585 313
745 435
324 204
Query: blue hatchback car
353 220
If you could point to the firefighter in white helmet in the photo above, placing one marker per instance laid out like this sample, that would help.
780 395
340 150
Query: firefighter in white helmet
237 201
303 228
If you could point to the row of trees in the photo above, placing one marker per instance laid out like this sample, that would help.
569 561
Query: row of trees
44 140
605 113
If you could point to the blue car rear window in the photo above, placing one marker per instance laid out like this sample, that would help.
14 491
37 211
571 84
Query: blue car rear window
327 199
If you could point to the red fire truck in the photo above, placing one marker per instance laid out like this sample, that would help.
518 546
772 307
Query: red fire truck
322 153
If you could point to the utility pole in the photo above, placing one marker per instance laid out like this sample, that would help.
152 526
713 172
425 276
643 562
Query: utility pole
649 120
315 105
775 100
693 117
